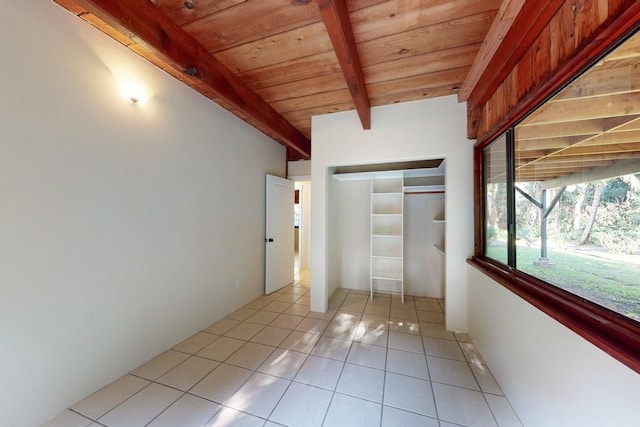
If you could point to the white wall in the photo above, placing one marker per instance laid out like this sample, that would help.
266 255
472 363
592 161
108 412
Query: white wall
122 227
409 131
353 234
299 169
422 262
332 243
551 375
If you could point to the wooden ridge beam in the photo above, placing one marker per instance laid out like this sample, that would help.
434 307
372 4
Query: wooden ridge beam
335 16
503 21
516 26
151 29
523 29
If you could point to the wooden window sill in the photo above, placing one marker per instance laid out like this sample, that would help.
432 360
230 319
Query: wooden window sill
613 333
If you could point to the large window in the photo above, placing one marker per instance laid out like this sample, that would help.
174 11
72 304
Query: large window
495 207
562 191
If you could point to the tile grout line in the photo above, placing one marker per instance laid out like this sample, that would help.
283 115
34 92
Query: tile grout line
342 301
433 392
165 409
223 405
126 400
333 394
82 415
386 361
295 374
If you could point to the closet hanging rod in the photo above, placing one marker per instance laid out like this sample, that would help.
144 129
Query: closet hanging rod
423 192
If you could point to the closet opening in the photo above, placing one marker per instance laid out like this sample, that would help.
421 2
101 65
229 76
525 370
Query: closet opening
386 228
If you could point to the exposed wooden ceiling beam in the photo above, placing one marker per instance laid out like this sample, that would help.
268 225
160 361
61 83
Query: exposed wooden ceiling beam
525 131
624 167
585 108
335 16
149 27
516 27
512 39
566 166
550 143
572 130
630 49
580 161
503 21
613 138
554 155
603 82
579 151
632 147
631 125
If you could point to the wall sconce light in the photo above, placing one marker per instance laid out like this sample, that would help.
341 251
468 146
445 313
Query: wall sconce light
136 93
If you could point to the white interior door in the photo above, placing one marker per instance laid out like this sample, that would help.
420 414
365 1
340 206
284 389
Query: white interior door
279 250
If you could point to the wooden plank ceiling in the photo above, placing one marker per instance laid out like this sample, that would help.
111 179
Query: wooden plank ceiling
593 123
276 63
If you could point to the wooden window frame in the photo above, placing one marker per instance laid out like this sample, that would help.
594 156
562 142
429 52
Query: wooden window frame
617 335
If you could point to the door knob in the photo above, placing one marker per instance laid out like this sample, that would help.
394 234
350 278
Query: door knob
268 240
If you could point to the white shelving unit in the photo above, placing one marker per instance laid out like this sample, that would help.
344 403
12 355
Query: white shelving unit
387 228
392 271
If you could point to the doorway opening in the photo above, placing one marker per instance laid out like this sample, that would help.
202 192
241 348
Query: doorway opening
302 229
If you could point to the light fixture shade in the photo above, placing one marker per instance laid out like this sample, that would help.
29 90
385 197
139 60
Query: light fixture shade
136 93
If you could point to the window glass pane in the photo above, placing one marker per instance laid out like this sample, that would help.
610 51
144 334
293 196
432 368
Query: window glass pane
578 185
495 182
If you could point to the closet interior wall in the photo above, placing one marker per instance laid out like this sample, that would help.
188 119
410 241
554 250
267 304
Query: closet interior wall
350 233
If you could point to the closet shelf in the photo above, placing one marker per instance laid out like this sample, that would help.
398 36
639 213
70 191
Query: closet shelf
392 279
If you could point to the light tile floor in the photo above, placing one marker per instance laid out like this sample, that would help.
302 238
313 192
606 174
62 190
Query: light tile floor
274 363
